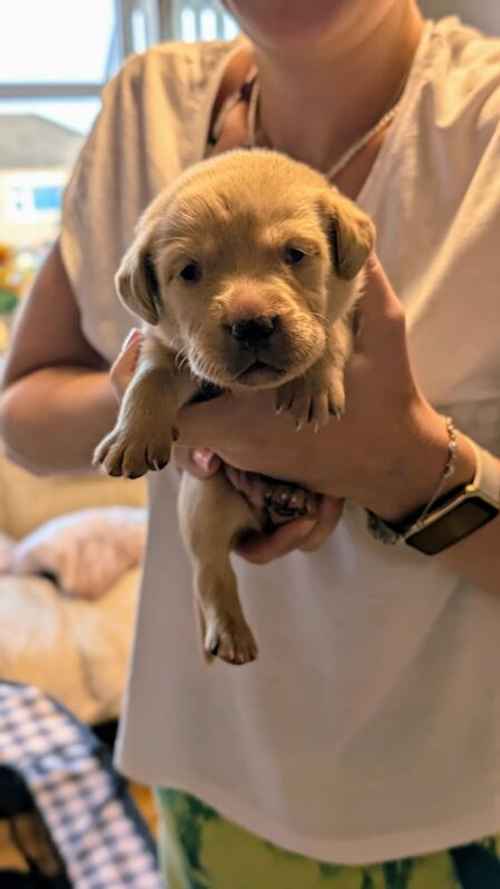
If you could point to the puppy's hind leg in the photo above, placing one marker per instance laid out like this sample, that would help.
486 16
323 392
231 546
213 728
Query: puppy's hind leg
211 513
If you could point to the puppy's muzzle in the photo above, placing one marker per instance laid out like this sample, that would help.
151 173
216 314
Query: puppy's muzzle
254 332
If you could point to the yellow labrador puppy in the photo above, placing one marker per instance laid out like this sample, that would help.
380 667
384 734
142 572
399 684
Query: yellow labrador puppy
246 271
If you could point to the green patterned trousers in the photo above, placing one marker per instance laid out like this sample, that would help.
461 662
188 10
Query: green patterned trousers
201 850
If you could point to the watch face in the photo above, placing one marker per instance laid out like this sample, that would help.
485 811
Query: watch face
459 522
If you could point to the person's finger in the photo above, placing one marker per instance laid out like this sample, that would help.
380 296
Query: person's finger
219 413
378 305
206 461
252 486
127 360
130 347
201 462
125 364
329 513
235 128
133 336
263 548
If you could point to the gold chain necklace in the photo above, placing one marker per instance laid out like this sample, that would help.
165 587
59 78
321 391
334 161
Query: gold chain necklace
347 156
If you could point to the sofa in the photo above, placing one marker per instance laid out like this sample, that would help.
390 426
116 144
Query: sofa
74 649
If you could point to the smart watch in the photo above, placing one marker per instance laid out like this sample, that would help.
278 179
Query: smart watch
453 517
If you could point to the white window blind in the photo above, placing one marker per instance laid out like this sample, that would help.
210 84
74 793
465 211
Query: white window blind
202 20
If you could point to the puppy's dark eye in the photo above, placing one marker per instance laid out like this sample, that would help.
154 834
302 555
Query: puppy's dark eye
191 272
293 255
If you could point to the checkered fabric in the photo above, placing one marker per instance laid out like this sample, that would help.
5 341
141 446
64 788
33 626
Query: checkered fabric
92 819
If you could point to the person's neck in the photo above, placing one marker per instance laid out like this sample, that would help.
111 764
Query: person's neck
315 108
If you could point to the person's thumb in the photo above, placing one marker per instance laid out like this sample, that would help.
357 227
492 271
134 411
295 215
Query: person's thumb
125 364
380 314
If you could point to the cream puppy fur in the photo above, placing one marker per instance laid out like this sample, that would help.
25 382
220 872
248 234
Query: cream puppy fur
246 272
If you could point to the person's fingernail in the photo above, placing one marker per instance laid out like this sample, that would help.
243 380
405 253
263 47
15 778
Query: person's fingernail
204 458
132 334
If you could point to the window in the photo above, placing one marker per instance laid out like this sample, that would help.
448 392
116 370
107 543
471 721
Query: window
202 20
69 51
55 57
50 95
62 41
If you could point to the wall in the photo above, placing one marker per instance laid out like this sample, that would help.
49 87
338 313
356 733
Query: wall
28 230
484 14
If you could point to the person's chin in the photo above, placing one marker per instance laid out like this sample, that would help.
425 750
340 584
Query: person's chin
288 25
297 27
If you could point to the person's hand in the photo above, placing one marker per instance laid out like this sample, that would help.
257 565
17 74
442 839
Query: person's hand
386 453
124 365
200 462
306 533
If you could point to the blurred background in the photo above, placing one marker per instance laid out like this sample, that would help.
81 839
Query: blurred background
55 57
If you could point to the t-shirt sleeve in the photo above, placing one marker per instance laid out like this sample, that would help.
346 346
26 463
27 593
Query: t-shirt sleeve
102 202
152 124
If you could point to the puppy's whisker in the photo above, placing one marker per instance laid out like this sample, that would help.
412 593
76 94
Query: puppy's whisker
320 317
181 361
202 366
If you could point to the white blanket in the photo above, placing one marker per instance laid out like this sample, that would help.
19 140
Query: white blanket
70 636
74 650
83 552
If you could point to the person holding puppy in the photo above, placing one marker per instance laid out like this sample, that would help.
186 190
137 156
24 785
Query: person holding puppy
360 749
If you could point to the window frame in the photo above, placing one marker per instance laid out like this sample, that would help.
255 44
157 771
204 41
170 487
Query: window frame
156 14
160 21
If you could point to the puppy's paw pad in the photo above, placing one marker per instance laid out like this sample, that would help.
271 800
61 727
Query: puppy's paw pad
284 398
336 401
307 404
294 398
230 640
110 453
157 452
319 414
121 453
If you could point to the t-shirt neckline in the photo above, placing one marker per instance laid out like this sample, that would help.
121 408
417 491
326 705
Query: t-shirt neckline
393 137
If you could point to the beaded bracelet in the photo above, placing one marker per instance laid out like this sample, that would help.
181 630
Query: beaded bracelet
383 532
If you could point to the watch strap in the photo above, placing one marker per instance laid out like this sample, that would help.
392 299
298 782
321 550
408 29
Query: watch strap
487 477
486 483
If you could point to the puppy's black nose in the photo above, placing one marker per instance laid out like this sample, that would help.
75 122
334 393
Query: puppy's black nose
254 330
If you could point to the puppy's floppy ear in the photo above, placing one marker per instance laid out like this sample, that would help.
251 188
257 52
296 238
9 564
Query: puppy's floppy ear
350 231
137 283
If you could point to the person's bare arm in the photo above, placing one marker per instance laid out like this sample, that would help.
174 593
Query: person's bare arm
56 400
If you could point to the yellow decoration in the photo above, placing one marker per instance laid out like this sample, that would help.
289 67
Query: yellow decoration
11 277
4 336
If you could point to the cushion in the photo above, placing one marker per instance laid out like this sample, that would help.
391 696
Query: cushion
84 552
27 501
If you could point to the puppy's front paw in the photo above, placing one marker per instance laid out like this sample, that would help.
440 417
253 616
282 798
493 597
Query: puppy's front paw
312 400
336 394
130 454
230 639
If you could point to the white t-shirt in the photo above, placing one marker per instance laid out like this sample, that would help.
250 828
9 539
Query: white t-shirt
369 727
